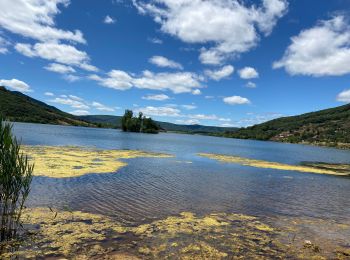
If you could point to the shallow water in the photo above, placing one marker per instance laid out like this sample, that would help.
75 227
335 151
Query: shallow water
147 189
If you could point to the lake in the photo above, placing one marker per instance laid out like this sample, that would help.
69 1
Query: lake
155 188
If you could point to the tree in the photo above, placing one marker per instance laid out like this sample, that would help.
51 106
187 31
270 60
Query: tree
139 124
15 179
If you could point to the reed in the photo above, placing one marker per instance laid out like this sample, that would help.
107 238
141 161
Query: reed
15 179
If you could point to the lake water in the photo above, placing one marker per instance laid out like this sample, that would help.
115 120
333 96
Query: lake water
151 188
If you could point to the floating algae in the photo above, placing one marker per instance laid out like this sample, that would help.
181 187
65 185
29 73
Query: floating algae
79 235
310 168
65 162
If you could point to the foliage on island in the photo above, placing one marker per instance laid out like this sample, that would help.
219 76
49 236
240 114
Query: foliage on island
15 180
330 127
139 124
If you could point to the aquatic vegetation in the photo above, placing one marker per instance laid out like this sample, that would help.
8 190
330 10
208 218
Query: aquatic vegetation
15 180
65 161
310 168
83 235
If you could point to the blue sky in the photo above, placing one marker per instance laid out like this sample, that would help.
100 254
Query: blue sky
213 62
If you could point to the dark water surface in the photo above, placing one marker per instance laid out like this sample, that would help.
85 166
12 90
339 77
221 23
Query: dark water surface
157 187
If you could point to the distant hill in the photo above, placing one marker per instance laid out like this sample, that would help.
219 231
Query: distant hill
16 106
115 121
330 127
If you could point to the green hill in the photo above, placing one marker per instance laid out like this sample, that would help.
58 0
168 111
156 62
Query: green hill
18 107
330 127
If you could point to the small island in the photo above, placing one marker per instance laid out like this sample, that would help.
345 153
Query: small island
139 124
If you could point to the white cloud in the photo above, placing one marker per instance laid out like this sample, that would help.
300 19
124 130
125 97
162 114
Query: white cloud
188 121
189 107
344 96
217 75
160 97
248 73
59 68
80 112
323 50
179 82
160 111
102 107
250 85
109 20
155 40
58 52
35 19
208 117
236 100
164 62
196 92
15 84
49 94
72 102
71 78
230 25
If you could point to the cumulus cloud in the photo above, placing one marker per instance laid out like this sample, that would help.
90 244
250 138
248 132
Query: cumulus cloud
59 68
102 107
15 84
250 85
164 62
188 121
189 107
230 26
160 111
160 97
236 100
248 73
109 20
179 82
323 50
344 96
58 52
72 102
183 118
35 19
217 75
80 112
49 94
71 78
196 92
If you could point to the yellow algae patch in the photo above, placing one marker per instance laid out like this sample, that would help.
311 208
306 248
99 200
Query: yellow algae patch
80 235
187 223
65 161
65 233
272 165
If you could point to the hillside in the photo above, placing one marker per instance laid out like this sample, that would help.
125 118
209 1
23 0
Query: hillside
16 106
115 121
330 127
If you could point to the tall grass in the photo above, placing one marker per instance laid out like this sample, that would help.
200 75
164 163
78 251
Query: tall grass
15 180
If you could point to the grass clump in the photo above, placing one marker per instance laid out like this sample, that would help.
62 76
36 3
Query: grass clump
15 180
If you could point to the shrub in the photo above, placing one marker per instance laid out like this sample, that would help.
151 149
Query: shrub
15 180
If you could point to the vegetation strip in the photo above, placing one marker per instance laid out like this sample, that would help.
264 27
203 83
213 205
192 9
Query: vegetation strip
273 165
66 161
